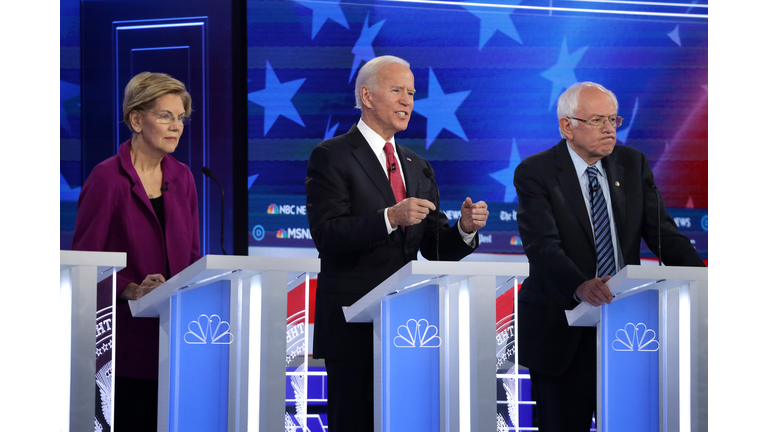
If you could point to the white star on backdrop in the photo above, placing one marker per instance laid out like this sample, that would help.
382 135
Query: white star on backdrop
440 110
276 99
562 74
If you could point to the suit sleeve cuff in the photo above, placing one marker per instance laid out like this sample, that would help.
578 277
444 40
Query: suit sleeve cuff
390 229
468 238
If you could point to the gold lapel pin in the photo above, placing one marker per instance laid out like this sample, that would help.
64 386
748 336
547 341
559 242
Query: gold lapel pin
617 184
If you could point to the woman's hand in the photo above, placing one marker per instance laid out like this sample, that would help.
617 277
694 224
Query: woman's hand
135 292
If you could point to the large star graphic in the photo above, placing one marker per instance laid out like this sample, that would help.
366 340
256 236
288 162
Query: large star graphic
622 134
330 131
562 74
323 11
66 192
675 35
276 99
67 91
491 22
363 49
507 175
440 110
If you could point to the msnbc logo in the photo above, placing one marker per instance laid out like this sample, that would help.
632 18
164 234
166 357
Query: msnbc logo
294 233
515 241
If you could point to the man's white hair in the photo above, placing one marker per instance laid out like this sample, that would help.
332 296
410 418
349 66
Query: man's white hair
568 102
368 75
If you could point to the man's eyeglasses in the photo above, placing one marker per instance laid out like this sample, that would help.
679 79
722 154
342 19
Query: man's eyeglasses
168 118
599 122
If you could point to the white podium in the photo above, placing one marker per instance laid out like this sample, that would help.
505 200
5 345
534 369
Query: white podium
648 368
435 344
222 359
80 272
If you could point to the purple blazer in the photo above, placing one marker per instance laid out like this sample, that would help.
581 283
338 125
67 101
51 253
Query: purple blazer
114 215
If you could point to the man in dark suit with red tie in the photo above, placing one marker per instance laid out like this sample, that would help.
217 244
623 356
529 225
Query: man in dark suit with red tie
371 208
584 205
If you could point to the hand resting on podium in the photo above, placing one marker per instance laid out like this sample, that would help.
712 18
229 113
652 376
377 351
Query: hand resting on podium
595 292
134 292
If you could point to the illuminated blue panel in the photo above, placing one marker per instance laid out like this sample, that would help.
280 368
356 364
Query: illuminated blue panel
199 363
411 361
176 46
630 375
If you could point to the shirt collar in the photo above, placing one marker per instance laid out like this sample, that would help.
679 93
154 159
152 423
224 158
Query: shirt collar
374 140
580 165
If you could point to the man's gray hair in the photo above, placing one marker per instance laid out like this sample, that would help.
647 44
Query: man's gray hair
568 102
368 75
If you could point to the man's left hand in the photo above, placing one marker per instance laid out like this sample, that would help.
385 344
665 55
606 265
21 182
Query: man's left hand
473 216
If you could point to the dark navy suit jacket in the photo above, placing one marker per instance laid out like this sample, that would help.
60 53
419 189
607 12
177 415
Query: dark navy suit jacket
557 238
347 192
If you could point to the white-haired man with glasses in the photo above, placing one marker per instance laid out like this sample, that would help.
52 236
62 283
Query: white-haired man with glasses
584 205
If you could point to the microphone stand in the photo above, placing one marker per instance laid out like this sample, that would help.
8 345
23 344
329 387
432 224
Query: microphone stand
208 173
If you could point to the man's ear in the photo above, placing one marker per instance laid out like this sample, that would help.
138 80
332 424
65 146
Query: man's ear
365 96
567 127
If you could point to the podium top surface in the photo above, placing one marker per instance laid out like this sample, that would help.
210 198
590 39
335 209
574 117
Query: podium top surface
213 268
420 273
104 261
634 279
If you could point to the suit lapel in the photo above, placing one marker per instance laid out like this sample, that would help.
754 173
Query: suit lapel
569 182
615 174
370 164
410 172
124 155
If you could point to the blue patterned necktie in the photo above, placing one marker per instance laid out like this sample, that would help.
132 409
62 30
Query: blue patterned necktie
606 265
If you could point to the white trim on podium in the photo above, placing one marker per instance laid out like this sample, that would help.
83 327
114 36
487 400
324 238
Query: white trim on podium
80 272
467 293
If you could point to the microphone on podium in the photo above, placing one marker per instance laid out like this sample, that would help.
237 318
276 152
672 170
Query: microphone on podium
658 216
208 173
430 174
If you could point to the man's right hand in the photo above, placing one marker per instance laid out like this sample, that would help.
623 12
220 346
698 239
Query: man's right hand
409 211
595 292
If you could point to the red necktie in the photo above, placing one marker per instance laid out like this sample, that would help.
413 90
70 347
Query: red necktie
393 169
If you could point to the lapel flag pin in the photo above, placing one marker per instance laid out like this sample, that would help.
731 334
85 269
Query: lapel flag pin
409 159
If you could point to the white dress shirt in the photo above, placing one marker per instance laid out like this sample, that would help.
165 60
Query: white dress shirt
581 172
377 145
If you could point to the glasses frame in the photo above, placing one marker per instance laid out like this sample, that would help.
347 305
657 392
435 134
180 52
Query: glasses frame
619 121
183 119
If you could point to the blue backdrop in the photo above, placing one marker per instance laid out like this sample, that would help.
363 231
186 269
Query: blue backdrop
487 81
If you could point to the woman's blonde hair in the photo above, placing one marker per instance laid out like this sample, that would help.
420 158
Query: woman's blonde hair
143 89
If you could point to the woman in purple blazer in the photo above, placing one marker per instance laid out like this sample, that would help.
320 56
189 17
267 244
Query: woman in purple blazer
143 202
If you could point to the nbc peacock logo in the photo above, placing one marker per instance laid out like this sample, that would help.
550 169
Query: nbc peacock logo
208 330
417 334
273 209
281 233
516 241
